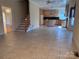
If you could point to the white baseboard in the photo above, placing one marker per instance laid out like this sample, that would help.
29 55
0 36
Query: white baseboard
31 28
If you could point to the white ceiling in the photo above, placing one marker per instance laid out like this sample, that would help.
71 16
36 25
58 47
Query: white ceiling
54 5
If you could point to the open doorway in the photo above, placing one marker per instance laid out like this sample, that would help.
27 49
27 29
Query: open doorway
7 19
53 17
72 17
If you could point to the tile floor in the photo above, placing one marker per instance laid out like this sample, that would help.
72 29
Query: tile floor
43 43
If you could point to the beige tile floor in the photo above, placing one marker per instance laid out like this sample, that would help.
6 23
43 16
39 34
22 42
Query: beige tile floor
43 43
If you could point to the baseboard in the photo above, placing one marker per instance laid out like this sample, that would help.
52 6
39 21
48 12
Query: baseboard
32 28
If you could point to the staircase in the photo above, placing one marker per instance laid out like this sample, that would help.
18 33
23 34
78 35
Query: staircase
24 25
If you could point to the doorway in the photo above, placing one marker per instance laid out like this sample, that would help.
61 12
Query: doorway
7 19
53 17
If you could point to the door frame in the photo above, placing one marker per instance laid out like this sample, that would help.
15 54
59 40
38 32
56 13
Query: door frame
4 18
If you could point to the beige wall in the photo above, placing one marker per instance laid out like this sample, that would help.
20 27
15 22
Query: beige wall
1 23
18 12
76 29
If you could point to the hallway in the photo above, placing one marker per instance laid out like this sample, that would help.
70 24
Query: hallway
43 43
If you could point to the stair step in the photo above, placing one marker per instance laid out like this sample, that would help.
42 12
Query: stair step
24 25
21 26
20 30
